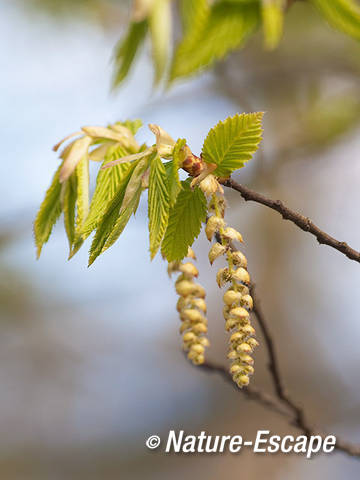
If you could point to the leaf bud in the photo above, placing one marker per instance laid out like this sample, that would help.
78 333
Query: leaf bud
191 163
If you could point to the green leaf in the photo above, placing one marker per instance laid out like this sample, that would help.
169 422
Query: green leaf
107 184
99 153
158 204
124 217
172 171
273 19
132 125
136 180
233 142
130 202
329 118
192 13
49 212
76 246
344 15
68 202
160 30
72 156
184 222
127 48
110 215
110 224
82 201
214 33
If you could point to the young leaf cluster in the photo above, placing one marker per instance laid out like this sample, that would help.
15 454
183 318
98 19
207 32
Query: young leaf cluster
211 29
176 209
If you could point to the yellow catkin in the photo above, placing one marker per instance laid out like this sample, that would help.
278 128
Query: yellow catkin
237 299
192 309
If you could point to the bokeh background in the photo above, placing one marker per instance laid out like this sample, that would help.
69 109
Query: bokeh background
90 363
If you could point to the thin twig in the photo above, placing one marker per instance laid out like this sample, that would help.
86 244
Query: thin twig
274 369
253 393
302 222
273 403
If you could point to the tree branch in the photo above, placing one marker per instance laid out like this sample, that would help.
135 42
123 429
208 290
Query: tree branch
282 402
251 392
302 222
299 419
273 403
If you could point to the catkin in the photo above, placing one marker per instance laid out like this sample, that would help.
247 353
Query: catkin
237 299
192 310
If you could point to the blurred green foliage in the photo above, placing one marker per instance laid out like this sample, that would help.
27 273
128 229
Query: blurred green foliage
309 86
96 10
212 30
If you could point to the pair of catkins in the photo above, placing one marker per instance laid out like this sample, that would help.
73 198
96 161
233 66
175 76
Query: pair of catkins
237 299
